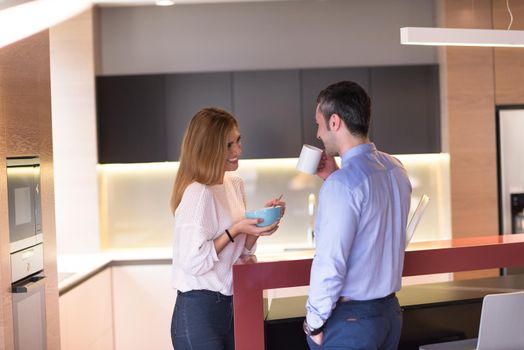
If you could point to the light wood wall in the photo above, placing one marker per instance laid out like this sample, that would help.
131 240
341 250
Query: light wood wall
478 79
509 62
471 124
25 124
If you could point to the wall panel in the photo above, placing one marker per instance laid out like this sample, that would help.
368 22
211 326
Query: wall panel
469 76
25 122
509 62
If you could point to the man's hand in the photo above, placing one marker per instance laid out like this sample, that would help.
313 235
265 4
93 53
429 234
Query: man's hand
326 166
317 339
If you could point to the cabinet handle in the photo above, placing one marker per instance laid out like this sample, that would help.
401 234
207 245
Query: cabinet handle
27 254
34 282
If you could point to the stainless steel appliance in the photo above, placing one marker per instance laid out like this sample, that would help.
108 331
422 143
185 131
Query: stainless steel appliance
27 253
25 221
29 314
517 212
510 159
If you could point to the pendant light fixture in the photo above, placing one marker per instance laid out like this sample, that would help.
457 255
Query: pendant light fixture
463 36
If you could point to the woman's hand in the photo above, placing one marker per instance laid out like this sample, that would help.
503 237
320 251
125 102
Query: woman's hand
248 226
277 203
246 259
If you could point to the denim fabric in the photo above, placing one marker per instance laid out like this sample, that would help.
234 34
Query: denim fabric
202 320
365 325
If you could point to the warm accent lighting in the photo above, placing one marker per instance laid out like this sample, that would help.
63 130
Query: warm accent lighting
21 21
461 37
164 2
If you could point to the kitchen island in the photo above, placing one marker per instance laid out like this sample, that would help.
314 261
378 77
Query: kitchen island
466 254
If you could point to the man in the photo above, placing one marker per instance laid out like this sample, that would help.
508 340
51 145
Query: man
360 230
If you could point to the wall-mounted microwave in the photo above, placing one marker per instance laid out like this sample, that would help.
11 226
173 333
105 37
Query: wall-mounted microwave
25 219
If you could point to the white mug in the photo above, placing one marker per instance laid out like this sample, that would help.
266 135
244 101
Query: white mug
309 159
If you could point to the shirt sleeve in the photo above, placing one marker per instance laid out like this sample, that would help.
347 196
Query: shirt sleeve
195 229
335 228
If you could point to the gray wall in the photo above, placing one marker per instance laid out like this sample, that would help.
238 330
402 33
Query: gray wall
260 35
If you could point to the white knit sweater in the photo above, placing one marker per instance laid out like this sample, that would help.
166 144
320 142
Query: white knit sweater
202 215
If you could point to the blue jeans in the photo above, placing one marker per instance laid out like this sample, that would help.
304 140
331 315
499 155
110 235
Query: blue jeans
203 320
370 325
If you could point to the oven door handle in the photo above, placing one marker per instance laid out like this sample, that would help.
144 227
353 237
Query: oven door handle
30 285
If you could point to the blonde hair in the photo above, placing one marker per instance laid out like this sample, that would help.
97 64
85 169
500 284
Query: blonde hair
204 147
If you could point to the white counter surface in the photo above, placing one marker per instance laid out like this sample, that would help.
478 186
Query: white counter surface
75 268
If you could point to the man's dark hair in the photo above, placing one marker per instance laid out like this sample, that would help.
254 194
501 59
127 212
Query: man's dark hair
350 102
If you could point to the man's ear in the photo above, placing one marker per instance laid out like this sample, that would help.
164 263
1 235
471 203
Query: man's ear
335 122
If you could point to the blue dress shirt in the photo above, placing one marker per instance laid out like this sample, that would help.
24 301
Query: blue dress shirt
360 231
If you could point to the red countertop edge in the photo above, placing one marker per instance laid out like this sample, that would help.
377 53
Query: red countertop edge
464 254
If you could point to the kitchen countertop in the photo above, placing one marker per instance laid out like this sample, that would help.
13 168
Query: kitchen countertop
414 296
74 269
463 254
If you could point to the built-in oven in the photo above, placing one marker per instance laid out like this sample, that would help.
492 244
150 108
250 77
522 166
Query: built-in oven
29 313
25 220
27 253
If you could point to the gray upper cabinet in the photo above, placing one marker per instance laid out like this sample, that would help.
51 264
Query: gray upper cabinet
188 93
131 119
143 118
267 106
405 109
315 80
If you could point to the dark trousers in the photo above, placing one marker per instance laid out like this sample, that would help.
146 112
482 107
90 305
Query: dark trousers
202 320
366 325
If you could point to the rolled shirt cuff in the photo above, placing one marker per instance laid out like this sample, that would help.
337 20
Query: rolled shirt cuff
314 321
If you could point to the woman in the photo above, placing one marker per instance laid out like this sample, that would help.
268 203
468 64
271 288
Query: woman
211 233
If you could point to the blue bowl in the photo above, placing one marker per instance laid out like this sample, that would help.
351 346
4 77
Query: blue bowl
269 214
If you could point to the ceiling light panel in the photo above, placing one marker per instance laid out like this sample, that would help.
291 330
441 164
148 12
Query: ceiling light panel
461 37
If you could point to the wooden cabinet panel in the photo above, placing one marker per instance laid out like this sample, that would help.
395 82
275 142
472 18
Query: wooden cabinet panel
25 123
86 319
405 109
267 106
24 78
315 80
131 119
188 93
508 62
143 304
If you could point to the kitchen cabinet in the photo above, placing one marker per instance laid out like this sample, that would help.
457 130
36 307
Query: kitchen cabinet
143 118
86 319
143 301
131 118
188 93
421 323
25 100
315 80
405 109
267 107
